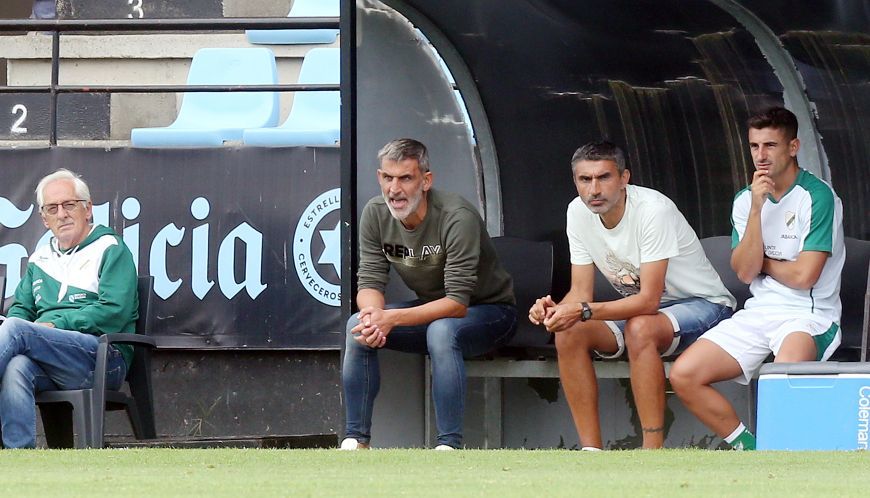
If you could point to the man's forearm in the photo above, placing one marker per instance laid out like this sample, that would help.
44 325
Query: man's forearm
620 309
748 257
370 298
802 273
429 312
625 308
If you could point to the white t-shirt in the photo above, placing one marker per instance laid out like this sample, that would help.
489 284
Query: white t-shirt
651 229
809 217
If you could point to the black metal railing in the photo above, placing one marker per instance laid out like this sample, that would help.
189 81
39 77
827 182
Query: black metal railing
58 27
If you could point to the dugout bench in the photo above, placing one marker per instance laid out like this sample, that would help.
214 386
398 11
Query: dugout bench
531 353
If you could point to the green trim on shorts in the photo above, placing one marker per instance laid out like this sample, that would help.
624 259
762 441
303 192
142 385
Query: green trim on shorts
823 341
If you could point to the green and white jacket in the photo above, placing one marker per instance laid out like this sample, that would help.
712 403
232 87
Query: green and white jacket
90 288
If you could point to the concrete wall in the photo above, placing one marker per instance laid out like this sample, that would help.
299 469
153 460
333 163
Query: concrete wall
257 8
220 393
15 9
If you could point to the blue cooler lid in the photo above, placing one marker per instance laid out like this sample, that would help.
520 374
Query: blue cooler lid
816 368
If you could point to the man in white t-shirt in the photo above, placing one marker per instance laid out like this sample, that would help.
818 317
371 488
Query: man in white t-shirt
788 245
642 244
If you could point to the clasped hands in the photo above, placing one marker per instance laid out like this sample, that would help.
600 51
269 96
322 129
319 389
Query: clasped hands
554 317
373 327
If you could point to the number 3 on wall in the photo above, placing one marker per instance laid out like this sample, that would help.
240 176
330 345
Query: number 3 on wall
136 5
16 126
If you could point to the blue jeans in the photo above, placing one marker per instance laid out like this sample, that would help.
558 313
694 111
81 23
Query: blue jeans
36 358
447 341
690 317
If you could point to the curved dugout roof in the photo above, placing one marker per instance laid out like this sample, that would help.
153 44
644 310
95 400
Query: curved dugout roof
671 80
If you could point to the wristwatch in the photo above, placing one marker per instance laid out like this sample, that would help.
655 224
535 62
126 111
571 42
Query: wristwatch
585 312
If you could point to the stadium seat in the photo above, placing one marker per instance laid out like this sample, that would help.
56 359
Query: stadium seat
855 298
300 8
82 411
315 118
718 251
208 119
530 265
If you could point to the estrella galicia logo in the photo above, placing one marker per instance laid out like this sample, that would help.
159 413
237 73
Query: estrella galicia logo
319 232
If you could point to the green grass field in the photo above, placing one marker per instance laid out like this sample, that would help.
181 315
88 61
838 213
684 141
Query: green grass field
235 472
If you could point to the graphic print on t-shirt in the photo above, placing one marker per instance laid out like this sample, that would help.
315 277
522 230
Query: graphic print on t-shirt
624 276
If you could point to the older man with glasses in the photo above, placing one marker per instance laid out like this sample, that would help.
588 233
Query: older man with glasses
79 286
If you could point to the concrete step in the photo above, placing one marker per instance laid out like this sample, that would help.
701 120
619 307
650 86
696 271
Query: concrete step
139 9
164 9
306 441
25 116
121 9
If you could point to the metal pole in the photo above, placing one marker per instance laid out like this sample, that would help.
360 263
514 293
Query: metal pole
92 25
52 107
349 254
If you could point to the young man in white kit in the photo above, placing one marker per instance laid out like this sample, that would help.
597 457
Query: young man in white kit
787 244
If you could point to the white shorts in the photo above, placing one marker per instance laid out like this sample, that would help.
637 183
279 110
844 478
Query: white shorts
749 336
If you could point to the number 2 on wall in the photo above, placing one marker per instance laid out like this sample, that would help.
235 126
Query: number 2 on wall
16 126
136 5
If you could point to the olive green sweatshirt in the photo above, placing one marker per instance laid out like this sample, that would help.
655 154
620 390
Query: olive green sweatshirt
449 254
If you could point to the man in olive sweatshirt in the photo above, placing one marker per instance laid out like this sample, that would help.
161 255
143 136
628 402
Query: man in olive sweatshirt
438 244
79 286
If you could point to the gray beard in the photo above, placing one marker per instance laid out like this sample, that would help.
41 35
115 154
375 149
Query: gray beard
413 204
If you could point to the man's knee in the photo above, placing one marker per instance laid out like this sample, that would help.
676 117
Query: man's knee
680 378
11 323
685 374
645 331
441 336
15 327
17 374
573 341
352 322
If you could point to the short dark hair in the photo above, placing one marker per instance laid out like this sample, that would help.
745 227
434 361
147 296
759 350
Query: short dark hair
600 151
778 118
405 148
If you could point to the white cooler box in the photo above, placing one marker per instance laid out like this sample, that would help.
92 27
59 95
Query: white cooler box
813 406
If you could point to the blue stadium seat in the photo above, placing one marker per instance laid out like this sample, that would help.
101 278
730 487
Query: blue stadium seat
300 8
207 119
315 118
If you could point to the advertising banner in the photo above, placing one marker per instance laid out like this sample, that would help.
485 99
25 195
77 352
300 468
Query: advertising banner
243 243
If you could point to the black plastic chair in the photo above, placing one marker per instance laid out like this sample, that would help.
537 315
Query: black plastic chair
530 265
855 298
83 410
718 250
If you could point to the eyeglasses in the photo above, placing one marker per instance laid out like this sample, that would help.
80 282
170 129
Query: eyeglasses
68 206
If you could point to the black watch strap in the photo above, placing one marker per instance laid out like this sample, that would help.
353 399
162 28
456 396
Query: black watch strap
585 311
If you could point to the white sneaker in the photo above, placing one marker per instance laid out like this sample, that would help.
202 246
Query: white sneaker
444 447
351 444
590 448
